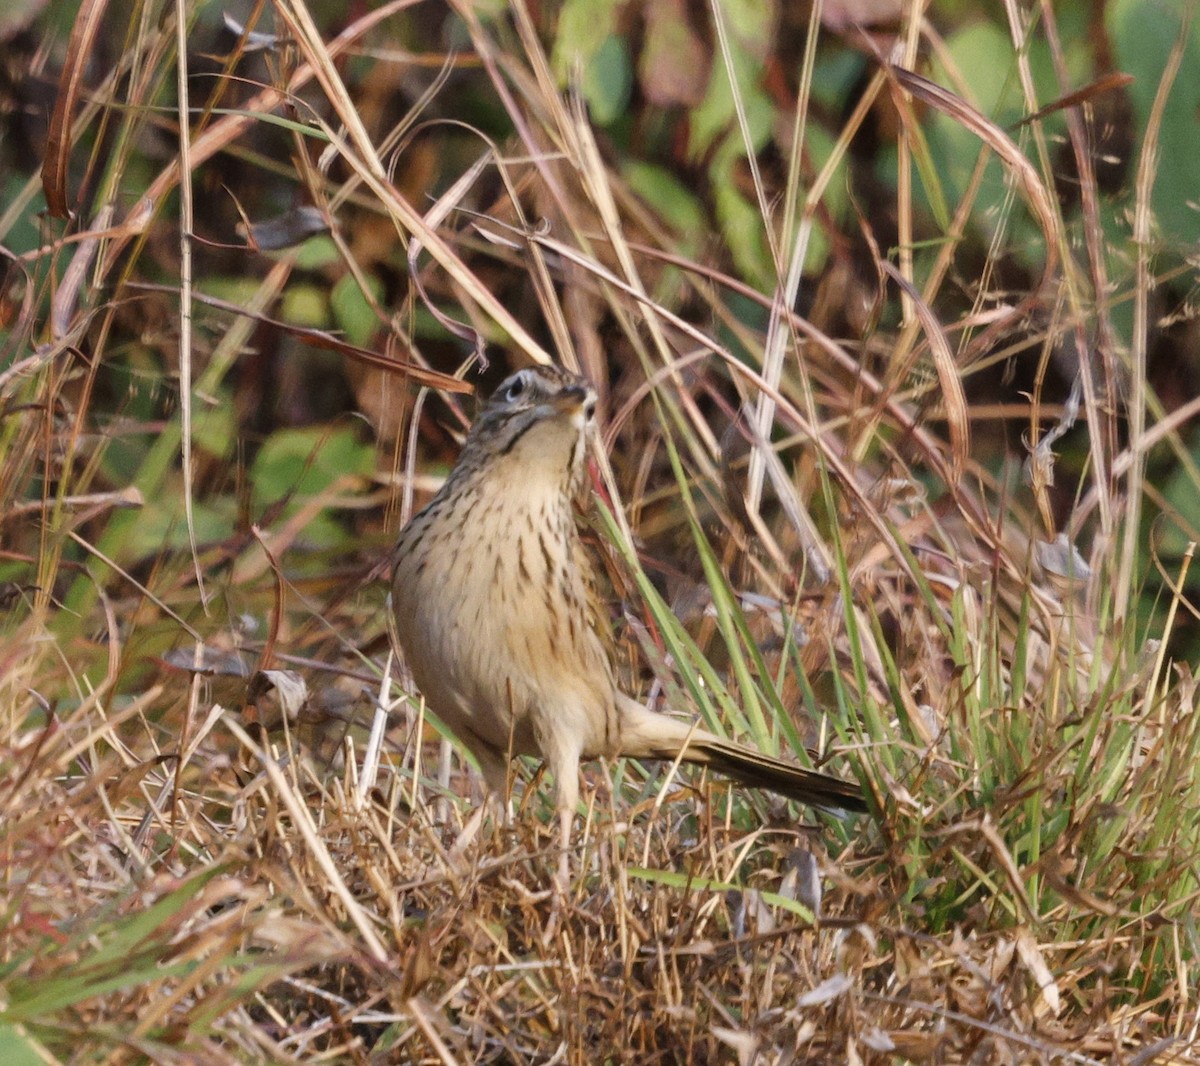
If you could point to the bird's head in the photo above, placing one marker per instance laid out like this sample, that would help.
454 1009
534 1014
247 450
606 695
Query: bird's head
538 420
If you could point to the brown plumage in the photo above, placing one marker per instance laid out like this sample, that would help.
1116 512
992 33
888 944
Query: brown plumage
490 592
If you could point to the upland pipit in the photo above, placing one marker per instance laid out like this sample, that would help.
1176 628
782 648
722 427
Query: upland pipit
491 595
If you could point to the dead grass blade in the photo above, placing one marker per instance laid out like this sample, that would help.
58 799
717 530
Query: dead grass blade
70 88
954 400
1105 84
1026 177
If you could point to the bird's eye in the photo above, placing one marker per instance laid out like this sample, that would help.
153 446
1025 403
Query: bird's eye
589 410
515 389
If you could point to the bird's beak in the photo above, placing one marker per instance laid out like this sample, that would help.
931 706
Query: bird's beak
569 400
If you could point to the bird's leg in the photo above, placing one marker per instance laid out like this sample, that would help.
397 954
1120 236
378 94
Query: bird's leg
495 776
566 819
560 884
562 756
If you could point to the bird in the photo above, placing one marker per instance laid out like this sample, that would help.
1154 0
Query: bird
495 614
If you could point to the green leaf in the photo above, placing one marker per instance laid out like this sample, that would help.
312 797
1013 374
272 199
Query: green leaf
1143 36
751 24
608 80
17 1049
716 115
673 201
742 228
687 882
305 462
583 28
352 311
214 429
316 252
161 526
1182 513
306 305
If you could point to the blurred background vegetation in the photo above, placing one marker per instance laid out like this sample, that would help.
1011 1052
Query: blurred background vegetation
695 164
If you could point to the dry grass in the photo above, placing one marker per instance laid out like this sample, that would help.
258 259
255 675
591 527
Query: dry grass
193 870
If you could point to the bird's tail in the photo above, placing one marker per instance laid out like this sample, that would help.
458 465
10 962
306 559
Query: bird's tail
646 735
